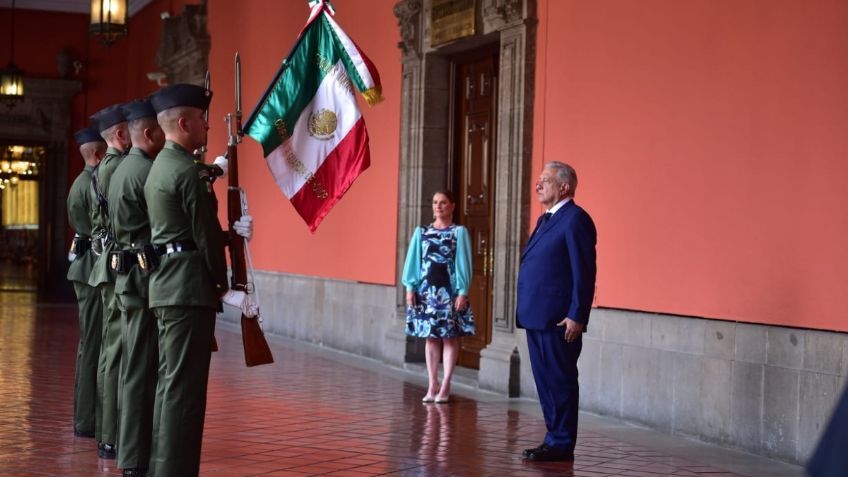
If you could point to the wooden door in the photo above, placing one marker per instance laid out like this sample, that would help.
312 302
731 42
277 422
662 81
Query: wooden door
475 103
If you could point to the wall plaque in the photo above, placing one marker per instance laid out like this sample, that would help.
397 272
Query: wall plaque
450 20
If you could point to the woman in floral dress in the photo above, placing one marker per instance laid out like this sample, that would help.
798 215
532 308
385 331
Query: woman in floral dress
437 276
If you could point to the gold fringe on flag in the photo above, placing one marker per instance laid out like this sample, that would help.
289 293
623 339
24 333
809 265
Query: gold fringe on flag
373 95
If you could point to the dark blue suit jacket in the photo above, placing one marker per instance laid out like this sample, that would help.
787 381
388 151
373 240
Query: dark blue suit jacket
556 278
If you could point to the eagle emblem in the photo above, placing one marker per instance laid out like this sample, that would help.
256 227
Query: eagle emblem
322 124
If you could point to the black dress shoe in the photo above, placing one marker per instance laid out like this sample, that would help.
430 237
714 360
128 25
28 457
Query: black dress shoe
551 454
89 434
106 451
139 472
527 452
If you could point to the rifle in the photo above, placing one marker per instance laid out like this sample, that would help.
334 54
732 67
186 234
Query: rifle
256 350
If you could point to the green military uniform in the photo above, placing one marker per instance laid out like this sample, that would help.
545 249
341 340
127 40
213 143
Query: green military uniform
104 279
90 308
139 346
184 296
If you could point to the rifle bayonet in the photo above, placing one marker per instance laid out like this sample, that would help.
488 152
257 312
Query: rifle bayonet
256 350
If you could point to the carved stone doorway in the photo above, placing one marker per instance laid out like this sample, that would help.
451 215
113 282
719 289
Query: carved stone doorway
426 141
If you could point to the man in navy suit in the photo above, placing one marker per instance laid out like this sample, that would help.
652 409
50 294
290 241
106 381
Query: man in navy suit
830 458
556 284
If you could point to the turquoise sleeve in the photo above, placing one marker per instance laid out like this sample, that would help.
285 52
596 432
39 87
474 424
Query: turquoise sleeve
412 265
463 261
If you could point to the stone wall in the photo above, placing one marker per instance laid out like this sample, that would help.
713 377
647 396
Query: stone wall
766 389
348 316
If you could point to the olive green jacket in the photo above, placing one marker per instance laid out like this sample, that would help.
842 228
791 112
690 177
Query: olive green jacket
100 222
79 216
128 216
181 208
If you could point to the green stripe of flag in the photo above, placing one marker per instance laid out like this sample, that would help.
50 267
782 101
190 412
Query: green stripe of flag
305 68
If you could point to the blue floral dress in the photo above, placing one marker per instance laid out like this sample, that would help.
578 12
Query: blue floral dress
434 315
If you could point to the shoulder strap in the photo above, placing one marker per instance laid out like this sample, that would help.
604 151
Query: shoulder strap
103 206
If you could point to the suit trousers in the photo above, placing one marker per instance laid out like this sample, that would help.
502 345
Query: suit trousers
86 402
829 458
108 371
184 336
139 369
554 364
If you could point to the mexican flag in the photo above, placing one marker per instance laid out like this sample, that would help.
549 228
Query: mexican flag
312 133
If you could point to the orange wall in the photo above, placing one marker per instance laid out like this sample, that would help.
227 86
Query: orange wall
710 141
356 241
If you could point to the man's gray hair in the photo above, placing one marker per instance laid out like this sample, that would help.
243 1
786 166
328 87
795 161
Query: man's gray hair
565 174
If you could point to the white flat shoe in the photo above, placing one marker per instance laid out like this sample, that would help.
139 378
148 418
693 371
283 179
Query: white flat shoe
442 400
427 399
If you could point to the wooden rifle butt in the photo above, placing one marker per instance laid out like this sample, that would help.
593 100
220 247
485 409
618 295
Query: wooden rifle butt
256 350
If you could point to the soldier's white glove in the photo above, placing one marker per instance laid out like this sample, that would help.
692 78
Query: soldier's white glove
244 226
72 256
248 308
234 298
239 300
223 163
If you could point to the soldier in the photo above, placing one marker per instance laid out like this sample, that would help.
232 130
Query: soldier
113 127
188 283
92 147
139 334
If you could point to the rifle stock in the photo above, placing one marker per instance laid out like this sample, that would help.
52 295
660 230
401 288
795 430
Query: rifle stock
256 350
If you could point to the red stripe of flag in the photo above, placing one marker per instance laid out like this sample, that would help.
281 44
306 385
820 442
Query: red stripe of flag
336 174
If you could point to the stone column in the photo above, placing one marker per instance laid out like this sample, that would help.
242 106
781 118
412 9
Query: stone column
515 20
409 17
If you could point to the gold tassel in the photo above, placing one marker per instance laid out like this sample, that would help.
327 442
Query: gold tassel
373 95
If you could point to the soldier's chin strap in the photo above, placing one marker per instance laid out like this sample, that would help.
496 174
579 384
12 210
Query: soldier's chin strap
250 286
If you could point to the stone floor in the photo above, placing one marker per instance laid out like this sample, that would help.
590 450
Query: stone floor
320 412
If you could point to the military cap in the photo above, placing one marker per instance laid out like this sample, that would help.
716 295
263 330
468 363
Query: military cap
108 117
181 95
87 135
138 109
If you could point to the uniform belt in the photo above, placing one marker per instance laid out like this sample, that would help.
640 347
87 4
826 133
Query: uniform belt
80 244
174 247
122 261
